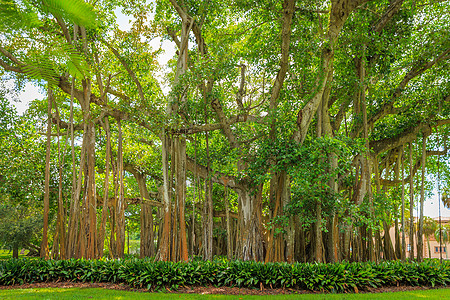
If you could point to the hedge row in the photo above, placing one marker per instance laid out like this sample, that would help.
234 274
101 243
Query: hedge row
339 277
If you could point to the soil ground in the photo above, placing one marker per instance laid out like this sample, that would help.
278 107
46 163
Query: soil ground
207 290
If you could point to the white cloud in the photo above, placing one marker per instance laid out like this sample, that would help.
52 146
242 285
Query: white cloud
22 99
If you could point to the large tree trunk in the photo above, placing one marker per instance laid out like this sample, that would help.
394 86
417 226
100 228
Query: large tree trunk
276 240
250 242
85 244
15 252
280 245
147 246
290 229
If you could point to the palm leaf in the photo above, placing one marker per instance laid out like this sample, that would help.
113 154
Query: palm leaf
71 60
41 68
23 14
14 17
77 11
46 65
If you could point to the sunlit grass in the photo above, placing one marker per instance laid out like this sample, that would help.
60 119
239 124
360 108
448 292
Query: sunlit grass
7 254
98 293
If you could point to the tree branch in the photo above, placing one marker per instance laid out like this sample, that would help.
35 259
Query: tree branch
288 11
406 136
127 68
216 176
388 107
390 12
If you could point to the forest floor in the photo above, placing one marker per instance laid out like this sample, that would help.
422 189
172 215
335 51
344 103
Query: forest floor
211 290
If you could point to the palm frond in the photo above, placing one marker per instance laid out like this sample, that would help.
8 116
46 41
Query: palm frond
14 16
71 60
41 68
77 11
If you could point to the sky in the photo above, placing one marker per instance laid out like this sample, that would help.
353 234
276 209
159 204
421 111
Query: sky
32 92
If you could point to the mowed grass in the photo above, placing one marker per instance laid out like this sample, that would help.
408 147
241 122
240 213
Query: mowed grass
7 254
98 293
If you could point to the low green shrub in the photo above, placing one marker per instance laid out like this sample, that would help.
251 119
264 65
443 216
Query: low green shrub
338 277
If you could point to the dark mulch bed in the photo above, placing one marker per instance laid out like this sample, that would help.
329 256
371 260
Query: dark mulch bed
206 290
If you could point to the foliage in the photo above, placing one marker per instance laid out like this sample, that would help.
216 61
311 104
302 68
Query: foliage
444 238
18 226
339 277
20 179
310 170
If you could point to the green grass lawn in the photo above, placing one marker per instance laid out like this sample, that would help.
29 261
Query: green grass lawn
7 254
97 293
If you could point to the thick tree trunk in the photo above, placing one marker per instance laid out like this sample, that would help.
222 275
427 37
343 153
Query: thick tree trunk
300 241
378 244
86 244
388 247
276 241
318 248
345 245
250 243
15 252
290 228
147 246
